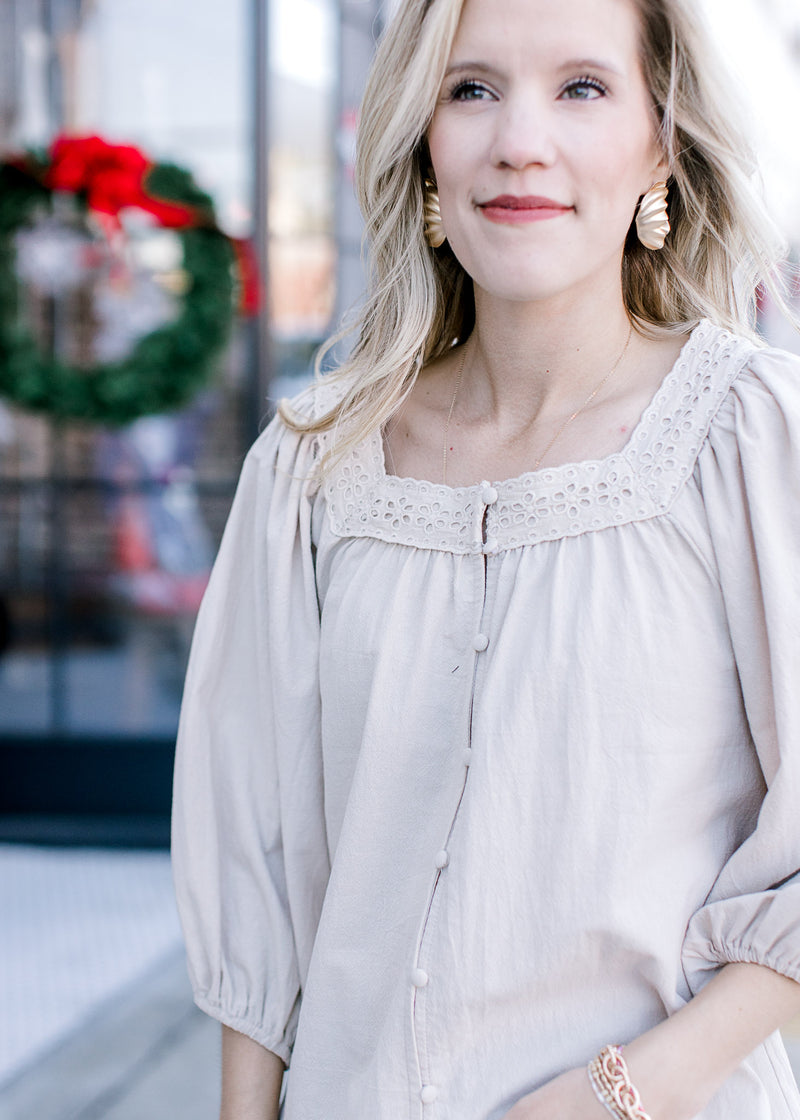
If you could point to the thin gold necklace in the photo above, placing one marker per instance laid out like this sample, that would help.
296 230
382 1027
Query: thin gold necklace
459 376
563 427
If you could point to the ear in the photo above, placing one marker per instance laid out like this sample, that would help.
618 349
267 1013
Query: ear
662 169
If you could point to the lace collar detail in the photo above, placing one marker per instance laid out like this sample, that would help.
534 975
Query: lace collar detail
638 482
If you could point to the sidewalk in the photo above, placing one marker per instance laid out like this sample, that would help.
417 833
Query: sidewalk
79 926
147 1054
96 1016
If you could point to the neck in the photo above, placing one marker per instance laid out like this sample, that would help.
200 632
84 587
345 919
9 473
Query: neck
530 360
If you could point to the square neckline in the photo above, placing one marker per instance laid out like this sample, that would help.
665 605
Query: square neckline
639 482
526 479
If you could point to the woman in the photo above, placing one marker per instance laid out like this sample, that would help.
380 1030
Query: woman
478 778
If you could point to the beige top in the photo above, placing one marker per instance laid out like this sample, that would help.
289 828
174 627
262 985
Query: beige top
473 781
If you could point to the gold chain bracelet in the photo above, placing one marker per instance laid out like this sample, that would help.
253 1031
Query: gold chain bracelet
609 1077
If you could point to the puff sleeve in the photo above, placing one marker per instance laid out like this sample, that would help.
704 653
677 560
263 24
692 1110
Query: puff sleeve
249 850
749 474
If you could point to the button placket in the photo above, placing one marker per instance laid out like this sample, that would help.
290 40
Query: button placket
420 980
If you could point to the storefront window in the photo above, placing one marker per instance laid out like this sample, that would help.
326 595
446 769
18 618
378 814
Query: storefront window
107 533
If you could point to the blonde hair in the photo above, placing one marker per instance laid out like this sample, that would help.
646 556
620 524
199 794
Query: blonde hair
419 302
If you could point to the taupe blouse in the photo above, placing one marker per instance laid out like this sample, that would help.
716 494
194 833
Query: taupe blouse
471 782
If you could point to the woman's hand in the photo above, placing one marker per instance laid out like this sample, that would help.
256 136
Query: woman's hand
567 1097
678 1065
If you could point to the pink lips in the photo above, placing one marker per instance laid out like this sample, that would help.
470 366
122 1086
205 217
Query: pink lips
512 209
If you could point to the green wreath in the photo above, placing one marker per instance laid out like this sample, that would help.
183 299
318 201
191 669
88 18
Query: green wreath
166 367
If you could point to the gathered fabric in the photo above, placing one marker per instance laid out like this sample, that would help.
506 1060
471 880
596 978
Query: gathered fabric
473 781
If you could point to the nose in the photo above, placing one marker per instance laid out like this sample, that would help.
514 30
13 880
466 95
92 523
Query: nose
523 135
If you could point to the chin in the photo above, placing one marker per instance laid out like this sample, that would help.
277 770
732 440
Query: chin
518 289
521 279
522 276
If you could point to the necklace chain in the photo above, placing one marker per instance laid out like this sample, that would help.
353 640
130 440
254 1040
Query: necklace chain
588 400
561 430
459 377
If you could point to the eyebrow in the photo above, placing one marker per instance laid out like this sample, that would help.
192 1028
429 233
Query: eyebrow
570 64
591 64
479 67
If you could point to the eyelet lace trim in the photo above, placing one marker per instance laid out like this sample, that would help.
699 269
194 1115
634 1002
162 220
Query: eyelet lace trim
639 482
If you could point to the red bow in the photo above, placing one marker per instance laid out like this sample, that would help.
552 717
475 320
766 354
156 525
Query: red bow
113 177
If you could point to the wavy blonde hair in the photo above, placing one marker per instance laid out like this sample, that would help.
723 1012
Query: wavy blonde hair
419 302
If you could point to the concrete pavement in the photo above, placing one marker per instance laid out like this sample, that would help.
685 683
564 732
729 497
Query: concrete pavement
147 1054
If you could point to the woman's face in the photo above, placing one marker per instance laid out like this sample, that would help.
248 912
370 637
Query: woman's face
542 142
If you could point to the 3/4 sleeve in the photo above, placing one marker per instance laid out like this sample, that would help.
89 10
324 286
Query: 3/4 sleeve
249 851
750 479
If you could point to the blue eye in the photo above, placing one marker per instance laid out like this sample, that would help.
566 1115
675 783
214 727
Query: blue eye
469 90
584 89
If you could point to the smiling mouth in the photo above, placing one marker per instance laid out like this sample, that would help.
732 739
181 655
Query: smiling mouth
511 208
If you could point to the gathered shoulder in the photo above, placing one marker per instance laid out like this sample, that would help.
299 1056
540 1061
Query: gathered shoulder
749 469
771 371
279 443
763 402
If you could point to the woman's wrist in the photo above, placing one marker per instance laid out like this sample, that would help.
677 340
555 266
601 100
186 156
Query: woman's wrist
681 1063
251 1079
670 1087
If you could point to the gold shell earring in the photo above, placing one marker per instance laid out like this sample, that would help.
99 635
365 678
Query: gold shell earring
432 213
652 223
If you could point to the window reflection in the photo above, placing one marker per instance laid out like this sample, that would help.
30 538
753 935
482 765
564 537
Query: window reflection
107 536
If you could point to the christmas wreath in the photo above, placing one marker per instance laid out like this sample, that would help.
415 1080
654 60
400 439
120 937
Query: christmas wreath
83 185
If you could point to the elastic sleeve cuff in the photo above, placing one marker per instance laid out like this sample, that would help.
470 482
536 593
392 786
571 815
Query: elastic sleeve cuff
700 968
279 1044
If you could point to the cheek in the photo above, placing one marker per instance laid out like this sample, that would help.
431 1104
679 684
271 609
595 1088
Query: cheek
446 160
436 141
458 152
455 180
615 175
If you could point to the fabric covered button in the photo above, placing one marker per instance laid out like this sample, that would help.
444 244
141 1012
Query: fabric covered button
490 546
419 978
467 756
428 1094
442 859
480 642
488 495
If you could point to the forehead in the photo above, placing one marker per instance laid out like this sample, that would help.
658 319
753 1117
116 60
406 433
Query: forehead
545 31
